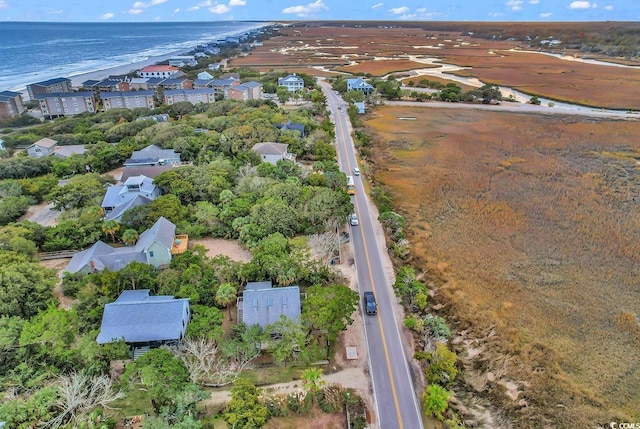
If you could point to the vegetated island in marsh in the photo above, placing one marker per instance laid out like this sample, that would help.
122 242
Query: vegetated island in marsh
504 54
537 219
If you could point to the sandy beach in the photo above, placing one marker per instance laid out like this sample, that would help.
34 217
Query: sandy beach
77 80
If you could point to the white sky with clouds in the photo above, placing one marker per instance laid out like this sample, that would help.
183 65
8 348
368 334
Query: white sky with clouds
280 10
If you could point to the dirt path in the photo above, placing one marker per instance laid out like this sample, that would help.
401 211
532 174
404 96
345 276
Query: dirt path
218 246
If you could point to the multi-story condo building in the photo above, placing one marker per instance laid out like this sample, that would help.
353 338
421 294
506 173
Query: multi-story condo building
66 104
193 96
51 86
127 99
10 104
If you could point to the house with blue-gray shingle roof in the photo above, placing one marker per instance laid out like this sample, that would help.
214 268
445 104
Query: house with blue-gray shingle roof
152 155
262 304
144 320
155 247
359 84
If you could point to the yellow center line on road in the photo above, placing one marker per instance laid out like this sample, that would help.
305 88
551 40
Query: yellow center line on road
373 286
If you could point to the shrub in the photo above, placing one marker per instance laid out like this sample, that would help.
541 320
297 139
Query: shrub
441 366
436 401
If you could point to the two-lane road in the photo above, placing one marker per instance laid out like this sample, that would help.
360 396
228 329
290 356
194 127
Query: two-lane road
394 392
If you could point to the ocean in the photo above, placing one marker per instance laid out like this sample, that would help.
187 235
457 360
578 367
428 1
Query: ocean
31 52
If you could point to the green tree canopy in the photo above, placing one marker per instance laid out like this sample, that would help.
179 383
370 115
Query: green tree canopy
329 308
245 411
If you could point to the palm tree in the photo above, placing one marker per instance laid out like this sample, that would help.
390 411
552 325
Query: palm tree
130 236
312 380
226 295
110 227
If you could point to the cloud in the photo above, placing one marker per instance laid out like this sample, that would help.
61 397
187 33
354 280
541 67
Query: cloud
546 15
219 9
134 11
55 12
496 15
155 2
176 10
377 5
608 7
193 8
205 3
139 5
107 15
578 4
534 1
307 10
3 4
514 4
233 3
399 10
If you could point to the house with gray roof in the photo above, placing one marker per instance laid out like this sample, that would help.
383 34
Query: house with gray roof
292 82
262 304
68 150
50 86
193 96
11 104
41 148
154 247
144 320
292 126
153 155
273 152
135 191
359 84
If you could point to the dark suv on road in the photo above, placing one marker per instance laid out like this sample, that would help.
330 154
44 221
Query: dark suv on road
370 305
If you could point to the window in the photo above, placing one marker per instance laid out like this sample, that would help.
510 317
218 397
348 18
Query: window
284 300
151 253
255 302
269 302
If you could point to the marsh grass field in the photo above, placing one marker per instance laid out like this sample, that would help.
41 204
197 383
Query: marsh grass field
527 227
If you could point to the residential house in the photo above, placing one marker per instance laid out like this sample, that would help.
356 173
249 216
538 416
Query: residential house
152 155
162 71
2 145
153 83
176 83
42 148
51 86
292 126
127 99
151 171
135 191
359 84
292 82
193 96
205 76
144 321
273 152
246 91
231 76
11 104
214 66
112 85
262 304
56 105
154 247
68 150
183 60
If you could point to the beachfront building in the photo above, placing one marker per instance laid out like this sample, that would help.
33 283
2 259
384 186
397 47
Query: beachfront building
127 99
245 91
193 96
138 83
61 104
158 71
183 60
292 82
11 104
51 86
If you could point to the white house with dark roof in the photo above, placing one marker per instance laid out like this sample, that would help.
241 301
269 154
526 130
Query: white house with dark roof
142 320
135 191
273 152
42 148
154 247
163 71
262 304
292 82
152 155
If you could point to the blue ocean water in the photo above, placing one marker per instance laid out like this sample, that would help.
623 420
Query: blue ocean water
35 51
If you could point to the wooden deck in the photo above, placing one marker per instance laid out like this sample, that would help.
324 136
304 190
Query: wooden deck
180 244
